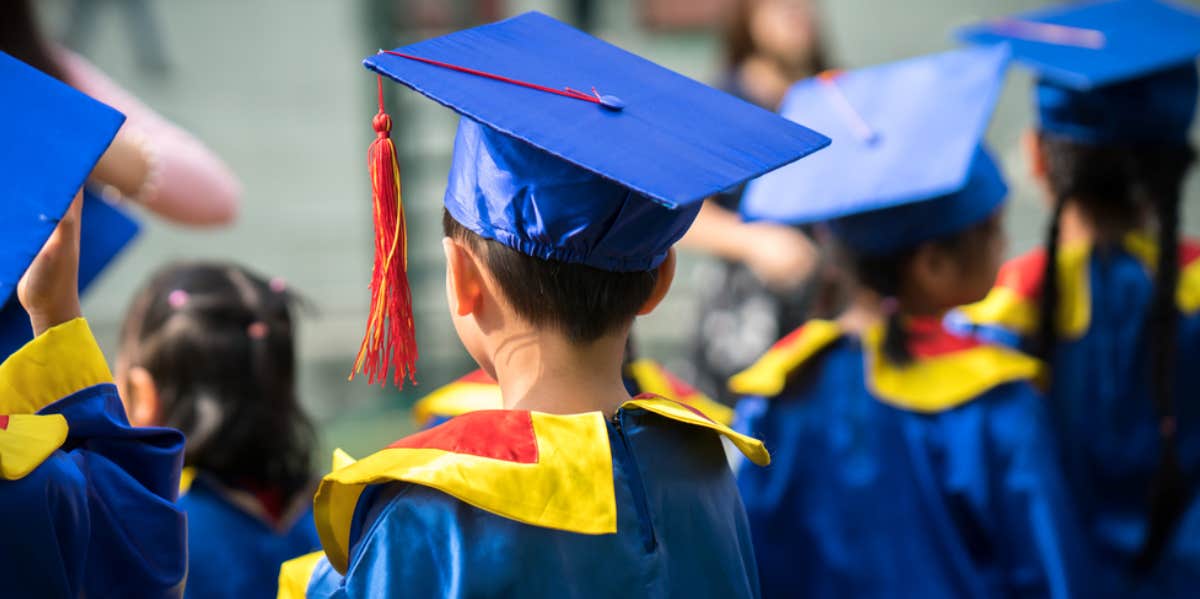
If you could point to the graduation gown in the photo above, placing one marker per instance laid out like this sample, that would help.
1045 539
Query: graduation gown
88 500
235 547
477 391
935 479
509 503
1100 404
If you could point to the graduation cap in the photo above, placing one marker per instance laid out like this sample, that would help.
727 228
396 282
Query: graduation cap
908 165
1108 72
105 230
575 150
50 139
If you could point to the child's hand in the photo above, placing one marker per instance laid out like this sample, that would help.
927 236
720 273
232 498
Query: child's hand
49 290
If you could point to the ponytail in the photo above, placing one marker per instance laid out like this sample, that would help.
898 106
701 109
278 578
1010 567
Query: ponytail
1048 302
1160 174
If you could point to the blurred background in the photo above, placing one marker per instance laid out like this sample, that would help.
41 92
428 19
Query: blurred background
275 88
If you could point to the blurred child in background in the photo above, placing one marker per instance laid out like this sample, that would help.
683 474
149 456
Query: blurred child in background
210 349
1112 301
908 461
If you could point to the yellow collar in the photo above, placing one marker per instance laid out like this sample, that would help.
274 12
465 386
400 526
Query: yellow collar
548 470
59 362
1013 302
947 371
26 441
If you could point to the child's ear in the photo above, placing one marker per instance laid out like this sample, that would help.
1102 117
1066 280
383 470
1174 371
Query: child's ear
464 281
662 283
1033 154
142 402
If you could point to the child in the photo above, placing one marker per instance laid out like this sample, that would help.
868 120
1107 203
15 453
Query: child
909 462
209 349
1110 301
88 501
478 391
561 210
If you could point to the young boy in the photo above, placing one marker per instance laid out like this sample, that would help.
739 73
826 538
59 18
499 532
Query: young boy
88 501
560 215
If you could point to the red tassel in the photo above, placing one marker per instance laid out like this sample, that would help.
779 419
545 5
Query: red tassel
390 341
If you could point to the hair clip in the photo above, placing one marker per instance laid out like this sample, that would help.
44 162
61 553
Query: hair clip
278 284
889 305
257 329
177 299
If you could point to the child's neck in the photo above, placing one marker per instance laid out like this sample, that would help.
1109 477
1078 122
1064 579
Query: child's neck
1074 226
544 372
867 309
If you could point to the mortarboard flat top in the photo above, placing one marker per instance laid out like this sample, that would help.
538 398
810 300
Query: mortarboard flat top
676 140
906 132
1097 43
52 137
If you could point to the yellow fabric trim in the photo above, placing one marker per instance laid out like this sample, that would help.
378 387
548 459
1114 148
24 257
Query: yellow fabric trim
457 398
1004 308
940 383
296 573
186 477
752 448
55 364
569 488
651 378
769 374
1187 291
341 459
28 441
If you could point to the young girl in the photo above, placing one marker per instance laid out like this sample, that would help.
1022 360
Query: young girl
909 462
209 349
1111 301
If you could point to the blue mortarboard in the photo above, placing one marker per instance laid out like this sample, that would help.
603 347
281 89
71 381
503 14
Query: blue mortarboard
105 230
908 165
50 139
1108 72
609 176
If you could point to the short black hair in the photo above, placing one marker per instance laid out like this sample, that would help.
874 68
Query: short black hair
219 341
581 302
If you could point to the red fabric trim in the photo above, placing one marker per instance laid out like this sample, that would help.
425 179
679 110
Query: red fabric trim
498 434
478 376
3 422
1023 274
927 338
1189 252
790 339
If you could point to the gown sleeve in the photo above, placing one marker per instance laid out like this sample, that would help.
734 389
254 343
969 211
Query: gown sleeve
107 494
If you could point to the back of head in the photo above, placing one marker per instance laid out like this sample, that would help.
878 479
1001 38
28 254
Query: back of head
218 342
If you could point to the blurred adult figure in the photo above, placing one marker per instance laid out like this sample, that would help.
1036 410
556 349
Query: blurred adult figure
770 277
143 27
152 162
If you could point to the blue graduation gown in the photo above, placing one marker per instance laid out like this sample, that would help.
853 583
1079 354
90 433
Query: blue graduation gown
1101 408
931 480
234 549
505 503
91 511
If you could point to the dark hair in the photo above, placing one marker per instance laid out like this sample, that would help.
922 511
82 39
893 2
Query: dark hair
1117 186
739 40
582 302
21 37
219 342
884 274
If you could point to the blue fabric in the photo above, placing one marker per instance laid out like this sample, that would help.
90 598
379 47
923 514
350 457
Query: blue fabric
104 232
909 225
232 553
53 135
863 499
1157 108
925 118
1137 85
563 178
681 532
1107 431
98 517
1140 38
